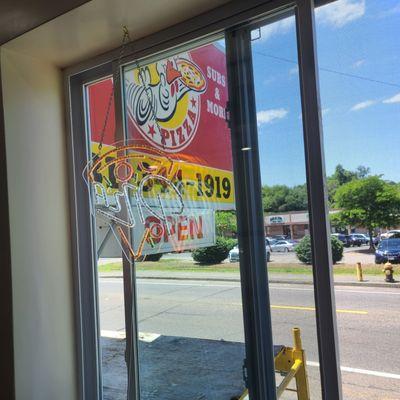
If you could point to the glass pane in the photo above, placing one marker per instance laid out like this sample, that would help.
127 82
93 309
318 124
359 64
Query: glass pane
285 203
191 341
100 124
359 58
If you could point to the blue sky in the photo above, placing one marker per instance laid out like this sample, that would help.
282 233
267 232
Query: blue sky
358 44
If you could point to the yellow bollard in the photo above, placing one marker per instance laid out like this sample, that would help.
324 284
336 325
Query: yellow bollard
359 272
297 340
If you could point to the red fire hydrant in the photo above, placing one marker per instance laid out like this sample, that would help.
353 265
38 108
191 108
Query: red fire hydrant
388 270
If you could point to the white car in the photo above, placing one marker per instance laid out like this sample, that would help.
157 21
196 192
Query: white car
234 254
283 246
390 234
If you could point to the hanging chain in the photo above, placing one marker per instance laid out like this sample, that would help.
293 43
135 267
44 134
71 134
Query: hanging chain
125 40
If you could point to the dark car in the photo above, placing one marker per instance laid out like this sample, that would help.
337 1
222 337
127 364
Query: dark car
360 238
388 250
355 240
345 239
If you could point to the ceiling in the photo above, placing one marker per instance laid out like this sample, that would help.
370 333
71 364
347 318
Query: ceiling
96 26
20 16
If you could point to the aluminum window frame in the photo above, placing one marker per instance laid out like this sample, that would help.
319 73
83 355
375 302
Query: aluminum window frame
85 279
7 373
233 17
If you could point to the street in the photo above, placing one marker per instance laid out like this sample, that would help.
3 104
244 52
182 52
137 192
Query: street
367 324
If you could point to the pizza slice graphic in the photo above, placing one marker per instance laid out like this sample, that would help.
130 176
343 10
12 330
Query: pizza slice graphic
192 76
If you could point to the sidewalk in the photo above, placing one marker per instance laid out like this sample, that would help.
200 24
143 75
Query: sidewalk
283 278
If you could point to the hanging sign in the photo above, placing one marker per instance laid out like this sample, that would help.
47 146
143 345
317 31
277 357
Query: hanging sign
192 229
158 189
177 106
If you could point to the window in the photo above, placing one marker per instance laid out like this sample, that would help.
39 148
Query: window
170 234
158 195
284 188
360 100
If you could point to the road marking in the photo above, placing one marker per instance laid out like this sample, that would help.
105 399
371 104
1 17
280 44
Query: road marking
360 371
368 292
336 290
281 307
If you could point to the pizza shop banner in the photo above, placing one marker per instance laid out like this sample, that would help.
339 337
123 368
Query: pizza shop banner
177 157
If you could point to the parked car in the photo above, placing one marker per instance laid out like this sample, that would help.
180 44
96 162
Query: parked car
388 250
389 234
279 237
283 246
234 254
360 237
355 240
345 239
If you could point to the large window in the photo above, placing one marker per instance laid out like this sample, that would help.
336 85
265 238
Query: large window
163 201
190 188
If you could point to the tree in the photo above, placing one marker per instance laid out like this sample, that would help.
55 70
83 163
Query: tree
225 223
274 197
369 202
362 171
297 199
342 176
337 222
281 198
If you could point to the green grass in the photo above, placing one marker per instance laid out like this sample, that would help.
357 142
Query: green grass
190 266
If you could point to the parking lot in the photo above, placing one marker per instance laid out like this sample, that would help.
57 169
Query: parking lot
351 255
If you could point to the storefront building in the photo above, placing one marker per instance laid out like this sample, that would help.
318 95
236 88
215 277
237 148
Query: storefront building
293 224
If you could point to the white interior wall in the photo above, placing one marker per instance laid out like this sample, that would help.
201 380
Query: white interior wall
39 223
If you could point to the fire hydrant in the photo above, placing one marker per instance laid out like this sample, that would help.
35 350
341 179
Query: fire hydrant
388 270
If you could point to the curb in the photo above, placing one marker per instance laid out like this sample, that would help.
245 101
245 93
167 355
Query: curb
280 281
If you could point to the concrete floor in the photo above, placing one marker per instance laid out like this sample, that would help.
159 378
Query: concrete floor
174 368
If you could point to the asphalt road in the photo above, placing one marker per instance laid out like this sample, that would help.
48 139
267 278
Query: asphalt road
368 324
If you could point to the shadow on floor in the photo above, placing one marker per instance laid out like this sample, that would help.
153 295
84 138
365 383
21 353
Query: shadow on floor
176 368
